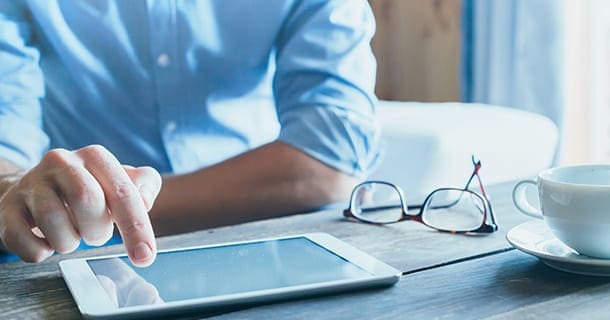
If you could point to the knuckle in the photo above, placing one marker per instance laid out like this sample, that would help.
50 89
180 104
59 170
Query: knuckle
134 227
56 157
123 192
82 194
55 163
95 151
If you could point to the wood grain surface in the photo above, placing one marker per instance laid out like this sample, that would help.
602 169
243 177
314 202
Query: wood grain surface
509 285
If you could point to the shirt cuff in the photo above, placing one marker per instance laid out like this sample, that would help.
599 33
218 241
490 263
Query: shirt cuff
339 138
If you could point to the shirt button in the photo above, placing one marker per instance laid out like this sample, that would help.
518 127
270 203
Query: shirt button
171 126
163 60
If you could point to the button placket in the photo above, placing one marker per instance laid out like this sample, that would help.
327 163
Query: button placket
163 50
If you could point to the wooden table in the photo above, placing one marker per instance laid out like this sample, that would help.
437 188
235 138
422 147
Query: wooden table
445 275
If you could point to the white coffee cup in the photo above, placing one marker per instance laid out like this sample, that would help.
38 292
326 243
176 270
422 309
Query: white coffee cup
575 205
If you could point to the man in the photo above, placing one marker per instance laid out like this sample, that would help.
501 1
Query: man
250 109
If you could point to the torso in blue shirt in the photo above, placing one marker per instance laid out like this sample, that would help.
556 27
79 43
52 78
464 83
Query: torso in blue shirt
180 85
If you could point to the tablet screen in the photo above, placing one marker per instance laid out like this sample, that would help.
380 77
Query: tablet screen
215 271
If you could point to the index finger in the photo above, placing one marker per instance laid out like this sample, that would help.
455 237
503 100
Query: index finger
125 204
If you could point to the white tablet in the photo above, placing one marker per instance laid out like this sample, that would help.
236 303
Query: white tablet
214 277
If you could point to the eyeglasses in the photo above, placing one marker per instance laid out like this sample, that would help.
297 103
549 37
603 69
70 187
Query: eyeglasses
445 209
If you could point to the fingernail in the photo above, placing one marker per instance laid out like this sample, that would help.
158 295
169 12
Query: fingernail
141 252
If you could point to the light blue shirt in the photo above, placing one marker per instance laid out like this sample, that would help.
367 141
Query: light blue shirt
181 85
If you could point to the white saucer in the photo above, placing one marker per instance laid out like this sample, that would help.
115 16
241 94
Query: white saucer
535 238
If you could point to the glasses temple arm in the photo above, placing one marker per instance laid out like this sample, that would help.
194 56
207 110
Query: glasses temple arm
394 206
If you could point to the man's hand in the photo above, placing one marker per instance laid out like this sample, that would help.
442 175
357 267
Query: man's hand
71 195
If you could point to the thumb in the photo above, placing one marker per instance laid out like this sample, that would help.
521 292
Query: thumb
148 182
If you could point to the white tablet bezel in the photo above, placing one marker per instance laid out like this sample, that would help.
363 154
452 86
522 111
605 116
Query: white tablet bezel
92 300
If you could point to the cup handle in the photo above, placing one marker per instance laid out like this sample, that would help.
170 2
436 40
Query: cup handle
521 202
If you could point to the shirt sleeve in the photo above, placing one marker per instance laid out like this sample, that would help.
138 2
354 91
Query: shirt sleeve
324 84
22 139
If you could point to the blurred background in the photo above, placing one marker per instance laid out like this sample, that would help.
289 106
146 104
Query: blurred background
550 57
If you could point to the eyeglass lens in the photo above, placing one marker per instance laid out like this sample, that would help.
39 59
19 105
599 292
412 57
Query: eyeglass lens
454 210
445 209
377 202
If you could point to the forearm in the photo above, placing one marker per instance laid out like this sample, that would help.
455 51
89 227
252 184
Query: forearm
270 181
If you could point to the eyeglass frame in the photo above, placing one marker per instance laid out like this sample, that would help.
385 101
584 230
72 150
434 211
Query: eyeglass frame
486 226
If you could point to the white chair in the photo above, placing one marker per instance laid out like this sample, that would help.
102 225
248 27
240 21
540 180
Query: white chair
429 145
